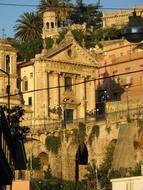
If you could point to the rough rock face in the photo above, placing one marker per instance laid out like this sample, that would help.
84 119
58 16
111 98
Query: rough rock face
124 154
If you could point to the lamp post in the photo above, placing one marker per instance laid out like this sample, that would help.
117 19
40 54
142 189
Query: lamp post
8 90
134 30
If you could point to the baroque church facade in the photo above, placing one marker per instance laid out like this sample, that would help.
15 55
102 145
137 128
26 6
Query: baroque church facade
59 84
58 89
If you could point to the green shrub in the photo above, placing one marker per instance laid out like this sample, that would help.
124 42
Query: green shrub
34 164
53 143
94 133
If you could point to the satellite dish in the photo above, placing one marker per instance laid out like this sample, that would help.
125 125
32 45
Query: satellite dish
134 30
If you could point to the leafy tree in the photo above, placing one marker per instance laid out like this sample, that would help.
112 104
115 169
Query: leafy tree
53 143
28 27
62 7
79 35
16 114
35 162
95 132
49 43
61 35
112 33
137 169
45 4
28 49
79 134
84 39
106 166
91 171
48 173
87 13
54 183
92 176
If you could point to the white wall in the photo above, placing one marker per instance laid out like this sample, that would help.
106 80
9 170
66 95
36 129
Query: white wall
128 183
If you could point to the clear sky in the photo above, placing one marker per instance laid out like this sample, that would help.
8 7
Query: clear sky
9 14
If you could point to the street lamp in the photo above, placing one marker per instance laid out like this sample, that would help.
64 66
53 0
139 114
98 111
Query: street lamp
134 30
8 90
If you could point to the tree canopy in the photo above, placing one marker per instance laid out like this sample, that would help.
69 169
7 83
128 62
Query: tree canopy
28 27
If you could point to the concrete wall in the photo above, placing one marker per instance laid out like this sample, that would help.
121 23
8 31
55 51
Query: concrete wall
21 184
129 183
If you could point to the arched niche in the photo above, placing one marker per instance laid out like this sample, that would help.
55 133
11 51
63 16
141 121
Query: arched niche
81 158
82 154
25 83
44 160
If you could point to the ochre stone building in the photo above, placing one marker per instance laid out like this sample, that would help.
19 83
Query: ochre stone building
119 18
8 64
62 86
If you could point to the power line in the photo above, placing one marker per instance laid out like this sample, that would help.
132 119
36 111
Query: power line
17 5
75 84
72 6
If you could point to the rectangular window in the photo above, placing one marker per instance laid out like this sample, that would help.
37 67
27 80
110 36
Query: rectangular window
68 115
68 83
30 101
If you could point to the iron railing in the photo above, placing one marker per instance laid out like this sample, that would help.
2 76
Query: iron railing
134 113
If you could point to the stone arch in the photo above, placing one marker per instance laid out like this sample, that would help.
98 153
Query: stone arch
82 154
81 158
44 159
76 161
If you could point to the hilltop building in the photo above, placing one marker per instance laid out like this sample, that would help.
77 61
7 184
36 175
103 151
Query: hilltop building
59 76
119 18
62 88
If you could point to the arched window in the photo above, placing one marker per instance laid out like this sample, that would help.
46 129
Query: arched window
52 25
68 83
47 24
25 84
7 63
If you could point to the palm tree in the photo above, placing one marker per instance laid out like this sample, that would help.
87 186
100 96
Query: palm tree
28 27
62 7
48 4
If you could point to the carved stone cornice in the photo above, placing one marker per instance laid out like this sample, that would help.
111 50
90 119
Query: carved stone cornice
65 67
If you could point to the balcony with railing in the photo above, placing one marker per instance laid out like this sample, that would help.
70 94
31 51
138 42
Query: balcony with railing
106 111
